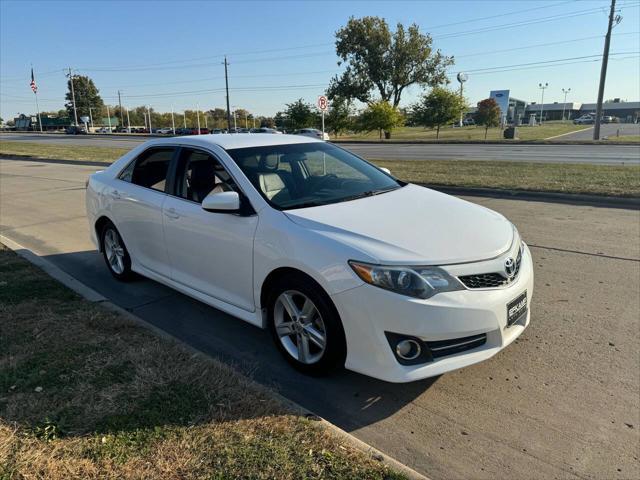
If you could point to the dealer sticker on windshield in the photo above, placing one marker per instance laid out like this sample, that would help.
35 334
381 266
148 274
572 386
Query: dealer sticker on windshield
517 309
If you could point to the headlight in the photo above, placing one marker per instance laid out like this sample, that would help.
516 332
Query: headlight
419 282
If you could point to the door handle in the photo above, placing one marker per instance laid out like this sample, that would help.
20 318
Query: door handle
171 213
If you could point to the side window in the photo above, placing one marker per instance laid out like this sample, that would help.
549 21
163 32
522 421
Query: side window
149 169
200 174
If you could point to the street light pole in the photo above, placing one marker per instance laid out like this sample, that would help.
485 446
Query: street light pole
543 88
173 122
91 118
565 101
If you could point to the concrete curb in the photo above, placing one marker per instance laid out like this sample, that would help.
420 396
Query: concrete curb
91 295
556 197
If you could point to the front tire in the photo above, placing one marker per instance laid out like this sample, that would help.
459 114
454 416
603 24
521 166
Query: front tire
115 253
305 326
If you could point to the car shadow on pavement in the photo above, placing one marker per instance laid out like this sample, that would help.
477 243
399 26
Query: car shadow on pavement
345 398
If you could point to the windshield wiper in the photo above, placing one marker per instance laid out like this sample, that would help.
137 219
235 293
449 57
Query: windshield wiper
368 193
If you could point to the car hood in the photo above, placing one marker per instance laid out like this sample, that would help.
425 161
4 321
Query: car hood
411 225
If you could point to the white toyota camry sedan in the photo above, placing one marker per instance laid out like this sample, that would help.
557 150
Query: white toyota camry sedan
346 265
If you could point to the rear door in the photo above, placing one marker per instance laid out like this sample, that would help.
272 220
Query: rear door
137 199
210 252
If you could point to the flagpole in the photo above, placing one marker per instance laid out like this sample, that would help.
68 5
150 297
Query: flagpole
34 89
38 109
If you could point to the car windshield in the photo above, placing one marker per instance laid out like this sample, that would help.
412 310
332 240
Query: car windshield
310 174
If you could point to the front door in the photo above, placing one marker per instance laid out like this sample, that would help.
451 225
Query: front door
209 252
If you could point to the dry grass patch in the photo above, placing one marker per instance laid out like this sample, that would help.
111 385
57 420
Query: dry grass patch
85 393
61 152
620 180
474 132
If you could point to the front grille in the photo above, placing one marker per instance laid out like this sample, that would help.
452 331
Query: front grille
491 280
442 348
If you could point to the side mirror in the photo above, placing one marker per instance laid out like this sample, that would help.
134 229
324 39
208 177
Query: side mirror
222 202
385 170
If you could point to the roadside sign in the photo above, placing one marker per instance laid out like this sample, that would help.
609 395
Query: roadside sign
323 103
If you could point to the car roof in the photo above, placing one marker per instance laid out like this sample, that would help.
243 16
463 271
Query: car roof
229 141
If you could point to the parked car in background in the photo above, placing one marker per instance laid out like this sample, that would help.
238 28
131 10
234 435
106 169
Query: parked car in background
165 130
343 263
217 131
75 130
104 130
584 120
468 122
313 133
264 130
608 119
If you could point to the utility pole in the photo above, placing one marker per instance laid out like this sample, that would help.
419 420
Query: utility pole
91 117
226 81
109 118
173 122
198 116
73 98
149 114
603 70
565 91
184 117
128 123
121 115
542 87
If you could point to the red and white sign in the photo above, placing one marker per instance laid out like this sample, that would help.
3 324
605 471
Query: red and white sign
323 103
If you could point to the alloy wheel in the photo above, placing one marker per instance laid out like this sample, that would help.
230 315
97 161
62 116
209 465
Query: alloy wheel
300 327
114 251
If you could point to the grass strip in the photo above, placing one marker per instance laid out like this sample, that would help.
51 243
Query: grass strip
61 152
87 394
622 180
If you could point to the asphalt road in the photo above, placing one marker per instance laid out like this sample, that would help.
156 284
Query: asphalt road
593 154
606 130
561 402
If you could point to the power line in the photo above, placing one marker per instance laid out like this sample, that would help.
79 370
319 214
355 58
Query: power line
524 47
522 23
491 17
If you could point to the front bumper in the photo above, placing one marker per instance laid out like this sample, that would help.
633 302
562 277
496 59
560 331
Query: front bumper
367 312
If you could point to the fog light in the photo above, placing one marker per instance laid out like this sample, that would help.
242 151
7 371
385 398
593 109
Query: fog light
408 349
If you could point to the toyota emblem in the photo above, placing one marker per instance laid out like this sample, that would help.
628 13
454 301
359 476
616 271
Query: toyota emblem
510 267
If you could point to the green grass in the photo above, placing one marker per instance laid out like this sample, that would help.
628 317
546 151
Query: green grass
624 138
541 177
87 394
549 129
61 152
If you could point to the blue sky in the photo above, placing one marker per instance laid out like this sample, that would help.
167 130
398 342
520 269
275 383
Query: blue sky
169 53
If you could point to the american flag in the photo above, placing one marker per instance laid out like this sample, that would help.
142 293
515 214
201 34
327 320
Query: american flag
34 87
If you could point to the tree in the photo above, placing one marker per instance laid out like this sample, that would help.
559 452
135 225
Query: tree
439 107
488 114
339 117
300 115
387 62
380 116
87 96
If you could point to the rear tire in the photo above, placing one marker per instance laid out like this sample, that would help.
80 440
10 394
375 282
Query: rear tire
115 253
305 326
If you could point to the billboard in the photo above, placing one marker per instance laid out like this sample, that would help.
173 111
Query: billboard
502 99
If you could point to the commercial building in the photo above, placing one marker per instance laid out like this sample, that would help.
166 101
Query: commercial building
512 109
624 111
